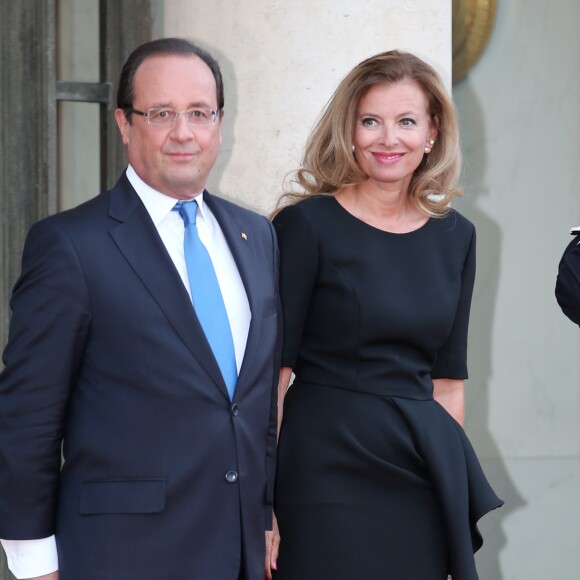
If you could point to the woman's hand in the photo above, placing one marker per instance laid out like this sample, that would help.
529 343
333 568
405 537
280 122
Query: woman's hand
272 545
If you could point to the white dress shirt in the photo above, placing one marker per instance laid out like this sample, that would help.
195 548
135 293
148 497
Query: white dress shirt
170 227
30 558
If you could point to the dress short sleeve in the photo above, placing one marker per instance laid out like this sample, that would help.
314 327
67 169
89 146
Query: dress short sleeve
299 259
452 358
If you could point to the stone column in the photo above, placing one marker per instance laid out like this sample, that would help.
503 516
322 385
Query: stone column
27 138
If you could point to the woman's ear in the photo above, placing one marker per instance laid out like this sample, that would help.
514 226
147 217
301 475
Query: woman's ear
434 130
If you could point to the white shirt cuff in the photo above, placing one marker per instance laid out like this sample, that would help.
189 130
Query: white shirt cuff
30 558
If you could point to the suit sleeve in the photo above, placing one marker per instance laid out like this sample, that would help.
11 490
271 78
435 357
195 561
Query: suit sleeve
568 281
452 358
48 329
273 419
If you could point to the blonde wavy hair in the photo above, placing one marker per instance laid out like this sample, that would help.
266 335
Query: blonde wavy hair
328 163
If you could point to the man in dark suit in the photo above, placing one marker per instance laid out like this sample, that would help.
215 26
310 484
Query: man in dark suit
168 460
568 280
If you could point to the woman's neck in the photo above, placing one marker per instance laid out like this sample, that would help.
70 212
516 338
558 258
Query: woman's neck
388 209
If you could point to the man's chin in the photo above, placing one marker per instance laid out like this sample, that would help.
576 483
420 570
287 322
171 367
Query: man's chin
185 186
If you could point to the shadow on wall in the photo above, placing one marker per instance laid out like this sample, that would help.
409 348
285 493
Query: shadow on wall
489 242
228 123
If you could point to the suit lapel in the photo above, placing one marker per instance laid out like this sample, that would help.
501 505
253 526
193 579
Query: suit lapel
138 240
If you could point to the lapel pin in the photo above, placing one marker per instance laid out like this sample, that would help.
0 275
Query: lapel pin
244 236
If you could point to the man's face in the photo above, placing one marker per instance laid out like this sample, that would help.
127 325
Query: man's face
176 159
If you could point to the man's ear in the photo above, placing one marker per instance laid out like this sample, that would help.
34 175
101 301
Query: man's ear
123 124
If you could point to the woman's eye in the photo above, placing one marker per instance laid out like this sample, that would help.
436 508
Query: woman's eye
369 122
408 122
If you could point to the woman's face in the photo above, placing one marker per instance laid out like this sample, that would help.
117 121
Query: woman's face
392 130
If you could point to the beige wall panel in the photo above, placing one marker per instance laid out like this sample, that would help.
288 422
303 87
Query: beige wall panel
282 61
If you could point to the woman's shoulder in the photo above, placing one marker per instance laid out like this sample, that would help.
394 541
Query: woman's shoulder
457 223
306 209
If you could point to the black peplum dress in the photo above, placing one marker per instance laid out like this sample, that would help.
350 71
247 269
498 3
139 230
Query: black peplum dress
375 480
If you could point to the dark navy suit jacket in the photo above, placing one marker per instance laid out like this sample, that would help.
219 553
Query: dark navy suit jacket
163 476
568 281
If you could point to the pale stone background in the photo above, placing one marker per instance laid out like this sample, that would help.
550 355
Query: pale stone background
520 117
282 61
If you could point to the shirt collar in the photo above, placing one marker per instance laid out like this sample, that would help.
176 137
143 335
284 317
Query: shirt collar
157 204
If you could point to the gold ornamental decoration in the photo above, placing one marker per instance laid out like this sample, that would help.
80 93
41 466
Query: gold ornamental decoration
471 27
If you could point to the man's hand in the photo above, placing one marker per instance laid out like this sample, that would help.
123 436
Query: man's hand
272 545
51 576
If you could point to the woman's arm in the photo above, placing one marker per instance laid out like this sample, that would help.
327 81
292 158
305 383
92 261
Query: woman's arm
273 537
283 383
449 393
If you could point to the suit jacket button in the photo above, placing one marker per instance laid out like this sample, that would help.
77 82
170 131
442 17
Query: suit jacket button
231 476
234 409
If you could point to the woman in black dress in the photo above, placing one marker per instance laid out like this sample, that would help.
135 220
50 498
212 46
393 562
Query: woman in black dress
376 478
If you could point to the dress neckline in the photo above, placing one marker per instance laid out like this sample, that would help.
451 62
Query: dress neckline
386 232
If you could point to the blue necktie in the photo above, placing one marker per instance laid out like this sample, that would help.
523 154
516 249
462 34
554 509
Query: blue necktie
207 297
